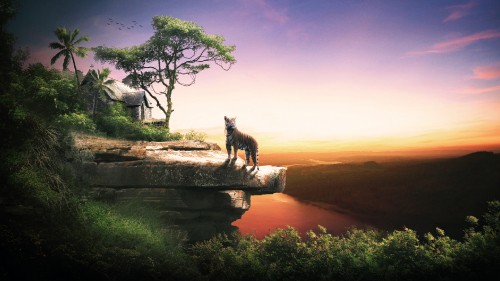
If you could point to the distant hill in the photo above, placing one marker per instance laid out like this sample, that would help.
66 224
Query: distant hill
422 194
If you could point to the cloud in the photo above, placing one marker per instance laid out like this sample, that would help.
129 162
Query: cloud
478 90
487 72
459 11
457 43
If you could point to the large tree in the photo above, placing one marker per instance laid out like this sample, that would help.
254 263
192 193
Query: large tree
98 82
68 47
175 54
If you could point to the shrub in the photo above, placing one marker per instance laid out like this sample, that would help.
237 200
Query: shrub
116 122
77 122
196 136
131 242
357 255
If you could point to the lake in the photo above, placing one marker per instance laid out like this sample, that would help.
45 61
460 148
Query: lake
268 212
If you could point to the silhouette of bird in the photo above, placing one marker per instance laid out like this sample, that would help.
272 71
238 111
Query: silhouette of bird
121 25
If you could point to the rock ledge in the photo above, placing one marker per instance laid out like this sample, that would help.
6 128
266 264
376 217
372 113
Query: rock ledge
191 183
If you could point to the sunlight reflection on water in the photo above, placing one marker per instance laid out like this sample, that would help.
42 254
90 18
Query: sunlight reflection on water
268 212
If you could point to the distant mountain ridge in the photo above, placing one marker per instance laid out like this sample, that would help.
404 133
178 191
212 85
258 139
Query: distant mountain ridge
420 193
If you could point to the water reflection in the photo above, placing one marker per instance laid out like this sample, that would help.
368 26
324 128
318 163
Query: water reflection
268 212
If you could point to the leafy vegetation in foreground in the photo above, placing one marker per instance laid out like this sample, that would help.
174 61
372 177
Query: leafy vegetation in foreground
357 255
117 123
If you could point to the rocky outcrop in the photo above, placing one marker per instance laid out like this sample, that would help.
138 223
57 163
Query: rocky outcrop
191 184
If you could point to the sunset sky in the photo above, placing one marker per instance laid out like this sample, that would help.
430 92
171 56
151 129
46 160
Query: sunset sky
339 74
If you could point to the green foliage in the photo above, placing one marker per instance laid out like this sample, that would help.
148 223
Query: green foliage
131 241
196 136
97 83
179 51
116 122
42 93
46 233
76 122
358 255
67 46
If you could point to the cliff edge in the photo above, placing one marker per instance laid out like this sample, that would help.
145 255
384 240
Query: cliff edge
191 183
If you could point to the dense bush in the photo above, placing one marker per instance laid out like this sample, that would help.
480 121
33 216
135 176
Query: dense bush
116 122
77 121
47 232
357 255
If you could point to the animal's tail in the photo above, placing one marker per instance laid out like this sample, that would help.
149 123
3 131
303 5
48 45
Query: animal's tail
257 157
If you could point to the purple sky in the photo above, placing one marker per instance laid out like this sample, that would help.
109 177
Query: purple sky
340 72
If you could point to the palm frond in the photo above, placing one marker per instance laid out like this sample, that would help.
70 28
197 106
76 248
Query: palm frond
66 62
105 72
94 75
73 35
81 52
56 45
61 33
87 78
81 39
57 56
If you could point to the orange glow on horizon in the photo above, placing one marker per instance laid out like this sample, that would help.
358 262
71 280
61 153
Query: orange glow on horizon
478 138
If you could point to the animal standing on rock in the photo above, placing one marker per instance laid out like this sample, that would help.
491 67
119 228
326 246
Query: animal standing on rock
239 140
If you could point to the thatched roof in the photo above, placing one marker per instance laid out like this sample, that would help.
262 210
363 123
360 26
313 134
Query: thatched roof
131 97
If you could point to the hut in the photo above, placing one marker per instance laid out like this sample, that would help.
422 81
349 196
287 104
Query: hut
136 101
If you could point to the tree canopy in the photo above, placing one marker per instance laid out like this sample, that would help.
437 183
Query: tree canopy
68 47
175 54
99 82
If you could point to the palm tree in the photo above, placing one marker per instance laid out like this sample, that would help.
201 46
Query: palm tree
68 46
100 83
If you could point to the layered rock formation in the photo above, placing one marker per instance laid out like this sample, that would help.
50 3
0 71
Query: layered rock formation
192 184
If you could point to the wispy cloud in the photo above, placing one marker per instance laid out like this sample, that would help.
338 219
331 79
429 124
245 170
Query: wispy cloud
487 72
457 43
459 11
479 90
272 13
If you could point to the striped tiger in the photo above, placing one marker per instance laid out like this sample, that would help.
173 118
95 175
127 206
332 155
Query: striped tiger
239 140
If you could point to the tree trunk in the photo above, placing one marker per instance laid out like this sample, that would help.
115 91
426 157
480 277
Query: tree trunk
169 107
94 106
156 100
76 71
